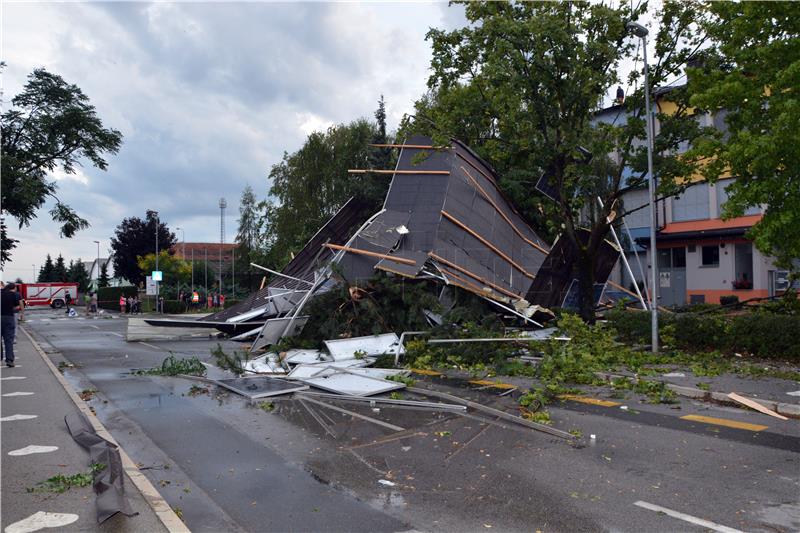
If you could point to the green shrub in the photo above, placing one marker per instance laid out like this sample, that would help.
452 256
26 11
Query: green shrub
230 302
765 335
762 332
108 297
729 299
173 307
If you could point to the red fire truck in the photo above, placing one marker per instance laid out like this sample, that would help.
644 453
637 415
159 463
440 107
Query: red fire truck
52 294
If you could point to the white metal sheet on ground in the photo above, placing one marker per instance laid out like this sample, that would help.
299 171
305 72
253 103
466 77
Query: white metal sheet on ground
306 371
371 345
297 356
273 330
266 364
379 373
347 383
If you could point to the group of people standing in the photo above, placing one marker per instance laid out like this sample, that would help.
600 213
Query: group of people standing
192 301
130 305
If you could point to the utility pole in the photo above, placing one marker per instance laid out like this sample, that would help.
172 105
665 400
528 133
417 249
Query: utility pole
192 270
641 32
206 283
158 307
233 273
222 205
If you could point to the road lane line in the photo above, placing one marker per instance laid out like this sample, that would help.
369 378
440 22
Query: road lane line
13 377
115 333
150 345
27 450
17 417
93 326
493 384
590 401
687 518
41 520
12 394
724 422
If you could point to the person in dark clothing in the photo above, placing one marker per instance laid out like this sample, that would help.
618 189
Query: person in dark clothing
68 300
9 303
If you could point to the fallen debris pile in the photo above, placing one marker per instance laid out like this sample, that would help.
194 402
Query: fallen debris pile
444 221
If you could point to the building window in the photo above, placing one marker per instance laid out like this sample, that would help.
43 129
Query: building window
722 197
711 256
692 204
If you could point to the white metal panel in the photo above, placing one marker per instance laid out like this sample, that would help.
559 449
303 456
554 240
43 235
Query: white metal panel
266 364
253 313
247 334
273 330
297 356
347 383
372 345
306 371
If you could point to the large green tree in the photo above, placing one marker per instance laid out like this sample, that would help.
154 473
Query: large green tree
751 80
60 269
310 185
46 271
522 83
103 280
135 238
50 125
77 273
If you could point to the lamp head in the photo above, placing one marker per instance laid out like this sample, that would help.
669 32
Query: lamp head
636 29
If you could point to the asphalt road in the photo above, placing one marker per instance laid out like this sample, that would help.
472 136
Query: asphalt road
228 465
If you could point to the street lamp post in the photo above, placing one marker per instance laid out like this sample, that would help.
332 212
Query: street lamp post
33 279
158 307
640 31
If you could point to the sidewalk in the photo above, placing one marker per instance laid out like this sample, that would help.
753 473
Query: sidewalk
37 446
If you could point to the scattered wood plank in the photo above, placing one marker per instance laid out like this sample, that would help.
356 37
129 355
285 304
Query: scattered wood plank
752 404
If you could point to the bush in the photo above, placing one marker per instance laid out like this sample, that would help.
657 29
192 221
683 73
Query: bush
761 333
174 307
730 299
108 297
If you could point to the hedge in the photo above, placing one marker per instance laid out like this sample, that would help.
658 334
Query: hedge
108 297
761 334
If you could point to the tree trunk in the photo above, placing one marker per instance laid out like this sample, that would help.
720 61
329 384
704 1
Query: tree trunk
586 285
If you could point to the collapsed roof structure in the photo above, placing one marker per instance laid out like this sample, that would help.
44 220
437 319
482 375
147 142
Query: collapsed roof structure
444 218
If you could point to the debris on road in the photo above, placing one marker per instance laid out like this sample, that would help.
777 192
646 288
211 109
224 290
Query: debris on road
752 404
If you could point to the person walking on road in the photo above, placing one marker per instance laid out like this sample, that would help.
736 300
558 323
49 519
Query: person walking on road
68 300
93 303
9 303
121 304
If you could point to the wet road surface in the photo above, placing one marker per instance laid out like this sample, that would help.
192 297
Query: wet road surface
304 467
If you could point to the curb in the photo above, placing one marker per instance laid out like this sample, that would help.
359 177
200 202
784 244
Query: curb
157 503
790 410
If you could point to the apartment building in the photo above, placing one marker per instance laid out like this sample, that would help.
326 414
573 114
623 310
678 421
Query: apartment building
700 256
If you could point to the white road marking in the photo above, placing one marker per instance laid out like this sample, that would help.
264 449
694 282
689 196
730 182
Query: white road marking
11 394
13 377
17 417
150 345
93 326
15 366
41 520
115 333
687 518
794 393
27 450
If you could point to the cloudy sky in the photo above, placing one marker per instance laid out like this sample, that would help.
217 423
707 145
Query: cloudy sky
208 97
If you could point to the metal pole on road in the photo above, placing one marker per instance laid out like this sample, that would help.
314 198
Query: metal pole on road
158 307
641 32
